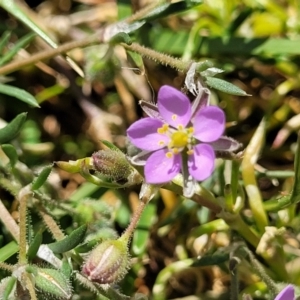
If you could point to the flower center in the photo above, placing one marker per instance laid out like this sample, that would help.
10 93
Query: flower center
179 139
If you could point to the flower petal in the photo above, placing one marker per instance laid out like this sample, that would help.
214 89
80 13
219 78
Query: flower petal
288 293
201 164
209 124
143 134
225 143
174 106
160 169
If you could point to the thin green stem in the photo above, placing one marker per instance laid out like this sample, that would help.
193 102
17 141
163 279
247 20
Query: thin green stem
35 58
248 173
261 271
30 286
146 197
234 288
9 222
158 57
51 225
6 267
23 196
202 197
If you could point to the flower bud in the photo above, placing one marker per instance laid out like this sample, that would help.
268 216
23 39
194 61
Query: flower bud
108 262
114 165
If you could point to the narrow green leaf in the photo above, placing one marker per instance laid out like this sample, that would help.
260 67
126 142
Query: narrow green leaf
11 130
224 86
210 260
21 43
70 242
20 94
6 287
19 11
42 177
4 40
11 153
166 9
8 250
295 198
16 9
35 245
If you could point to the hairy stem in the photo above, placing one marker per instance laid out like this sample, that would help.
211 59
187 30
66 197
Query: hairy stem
23 196
51 225
164 59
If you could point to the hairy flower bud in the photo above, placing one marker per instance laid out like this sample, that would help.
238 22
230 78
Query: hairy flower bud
108 262
114 165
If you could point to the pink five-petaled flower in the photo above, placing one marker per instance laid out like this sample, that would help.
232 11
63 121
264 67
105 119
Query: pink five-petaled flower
180 137
288 293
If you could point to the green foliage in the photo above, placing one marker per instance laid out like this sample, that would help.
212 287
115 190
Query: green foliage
250 202
20 94
12 129
70 242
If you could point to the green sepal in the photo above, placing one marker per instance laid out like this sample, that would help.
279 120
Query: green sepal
11 153
53 282
42 177
69 242
224 86
35 245
12 129
7 286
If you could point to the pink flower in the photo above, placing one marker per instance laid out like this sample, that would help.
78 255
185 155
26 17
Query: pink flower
288 293
179 137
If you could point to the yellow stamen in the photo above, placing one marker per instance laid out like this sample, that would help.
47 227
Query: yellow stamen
174 117
175 150
169 155
190 152
161 143
190 130
163 129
